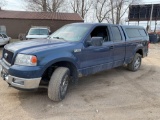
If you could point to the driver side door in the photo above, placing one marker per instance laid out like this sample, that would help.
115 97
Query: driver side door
97 58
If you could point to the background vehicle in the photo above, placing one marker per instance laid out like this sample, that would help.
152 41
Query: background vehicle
154 38
73 51
38 32
4 39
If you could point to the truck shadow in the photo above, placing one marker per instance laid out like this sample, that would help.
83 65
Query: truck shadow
38 105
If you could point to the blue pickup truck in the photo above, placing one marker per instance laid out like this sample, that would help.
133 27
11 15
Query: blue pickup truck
73 51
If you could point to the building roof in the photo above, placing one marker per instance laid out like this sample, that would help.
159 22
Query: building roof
39 15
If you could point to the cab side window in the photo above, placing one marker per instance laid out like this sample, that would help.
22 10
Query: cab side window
116 33
101 31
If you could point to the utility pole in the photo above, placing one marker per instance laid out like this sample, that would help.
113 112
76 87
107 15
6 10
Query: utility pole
151 16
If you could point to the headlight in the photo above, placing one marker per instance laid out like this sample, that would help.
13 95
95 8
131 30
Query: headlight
26 60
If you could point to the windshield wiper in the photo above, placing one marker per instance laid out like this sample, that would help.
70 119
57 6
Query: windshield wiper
60 38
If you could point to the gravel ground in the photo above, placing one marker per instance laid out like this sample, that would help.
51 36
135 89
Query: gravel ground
116 94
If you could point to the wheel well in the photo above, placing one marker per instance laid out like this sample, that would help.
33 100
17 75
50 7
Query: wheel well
48 72
140 51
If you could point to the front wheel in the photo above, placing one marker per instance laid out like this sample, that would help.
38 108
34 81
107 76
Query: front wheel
58 84
136 63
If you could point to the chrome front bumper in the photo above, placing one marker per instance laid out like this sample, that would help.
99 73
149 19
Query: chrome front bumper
22 83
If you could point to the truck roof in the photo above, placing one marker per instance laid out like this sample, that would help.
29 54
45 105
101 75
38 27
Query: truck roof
91 23
132 26
124 26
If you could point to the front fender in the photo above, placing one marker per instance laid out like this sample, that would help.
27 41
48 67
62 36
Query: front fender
52 59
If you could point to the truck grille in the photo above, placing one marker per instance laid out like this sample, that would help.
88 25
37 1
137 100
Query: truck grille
7 55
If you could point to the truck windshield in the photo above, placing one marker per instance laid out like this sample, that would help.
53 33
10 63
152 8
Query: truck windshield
70 33
38 32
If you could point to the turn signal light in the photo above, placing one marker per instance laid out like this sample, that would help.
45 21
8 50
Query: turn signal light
34 59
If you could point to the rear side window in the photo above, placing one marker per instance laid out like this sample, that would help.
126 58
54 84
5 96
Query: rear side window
142 32
132 32
116 34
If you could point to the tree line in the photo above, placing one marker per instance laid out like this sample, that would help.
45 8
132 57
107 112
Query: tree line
111 11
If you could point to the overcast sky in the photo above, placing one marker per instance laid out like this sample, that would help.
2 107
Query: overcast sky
14 5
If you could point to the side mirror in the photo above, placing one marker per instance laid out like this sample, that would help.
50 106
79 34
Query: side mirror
50 33
95 41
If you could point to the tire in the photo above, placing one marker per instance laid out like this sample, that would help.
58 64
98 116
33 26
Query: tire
136 63
58 84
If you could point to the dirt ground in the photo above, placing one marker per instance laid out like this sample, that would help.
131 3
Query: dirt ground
116 94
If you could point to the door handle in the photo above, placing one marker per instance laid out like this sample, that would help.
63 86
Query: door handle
111 47
100 49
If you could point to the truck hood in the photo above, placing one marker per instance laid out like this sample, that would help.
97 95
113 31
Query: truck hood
30 46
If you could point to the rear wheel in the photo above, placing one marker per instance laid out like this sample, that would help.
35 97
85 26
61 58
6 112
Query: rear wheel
58 84
136 63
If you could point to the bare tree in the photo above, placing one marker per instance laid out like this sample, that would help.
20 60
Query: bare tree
36 5
45 5
2 3
102 9
118 10
111 10
81 6
55 5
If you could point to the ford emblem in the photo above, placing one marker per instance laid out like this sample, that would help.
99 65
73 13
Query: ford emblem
5 55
